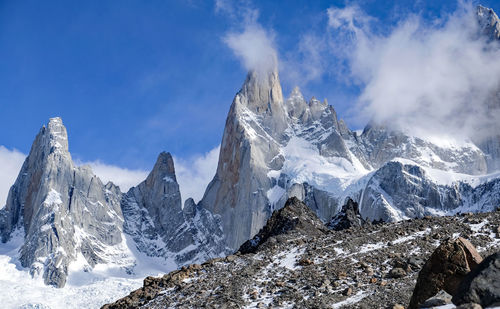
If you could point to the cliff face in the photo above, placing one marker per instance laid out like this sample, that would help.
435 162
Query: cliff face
273 149
251 143
63 210
154 217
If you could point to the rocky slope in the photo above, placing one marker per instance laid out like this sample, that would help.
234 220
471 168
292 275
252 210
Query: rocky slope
275 148
375 266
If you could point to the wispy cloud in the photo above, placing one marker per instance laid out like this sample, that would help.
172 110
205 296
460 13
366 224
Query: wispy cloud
11 162
195 173
425 77
250 42
123 177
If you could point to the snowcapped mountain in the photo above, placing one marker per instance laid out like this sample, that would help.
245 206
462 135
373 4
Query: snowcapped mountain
70 220
273 149
61 221
64 211
155 219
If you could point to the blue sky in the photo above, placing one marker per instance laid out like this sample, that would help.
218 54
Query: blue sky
133 78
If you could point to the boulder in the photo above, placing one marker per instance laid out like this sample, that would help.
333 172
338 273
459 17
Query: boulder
445 269
482 285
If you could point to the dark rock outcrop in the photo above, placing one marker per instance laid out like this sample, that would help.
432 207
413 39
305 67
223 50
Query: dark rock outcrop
295 216
348 217
445 269
482 285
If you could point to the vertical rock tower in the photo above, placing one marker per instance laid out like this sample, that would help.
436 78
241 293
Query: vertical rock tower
63 210
251 143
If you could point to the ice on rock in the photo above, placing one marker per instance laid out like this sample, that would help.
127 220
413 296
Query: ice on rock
273 149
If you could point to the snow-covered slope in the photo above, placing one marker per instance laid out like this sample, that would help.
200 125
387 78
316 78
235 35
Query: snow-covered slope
85 287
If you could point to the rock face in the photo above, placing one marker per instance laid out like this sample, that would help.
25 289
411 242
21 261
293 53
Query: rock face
251 141
348 217
488 22
64 211
275 148
445 270
161 227
295 216
482 284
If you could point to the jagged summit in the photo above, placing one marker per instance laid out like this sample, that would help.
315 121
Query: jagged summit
488 22
163 169
262 93
63 210
160 227
273 149
295 216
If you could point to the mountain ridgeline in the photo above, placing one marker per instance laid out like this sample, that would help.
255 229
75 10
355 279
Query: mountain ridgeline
65 213
272 149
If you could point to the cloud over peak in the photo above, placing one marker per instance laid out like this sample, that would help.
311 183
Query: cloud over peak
249 41
254 46
424 77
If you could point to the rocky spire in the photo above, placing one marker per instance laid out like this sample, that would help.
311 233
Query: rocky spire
262 95
51 199
488 22
254 131
160 227
297 106
159 194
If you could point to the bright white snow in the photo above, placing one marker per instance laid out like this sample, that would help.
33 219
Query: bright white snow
84 289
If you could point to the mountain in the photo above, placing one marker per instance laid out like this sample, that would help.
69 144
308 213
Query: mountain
67 218
64 211
160 226
315 157
275 148
489 23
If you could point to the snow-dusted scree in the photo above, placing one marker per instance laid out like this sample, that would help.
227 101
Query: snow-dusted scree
374 266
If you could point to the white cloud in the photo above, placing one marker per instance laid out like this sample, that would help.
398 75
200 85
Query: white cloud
11 162
350 17
252 44
307 62
195 173
427 78
123 177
